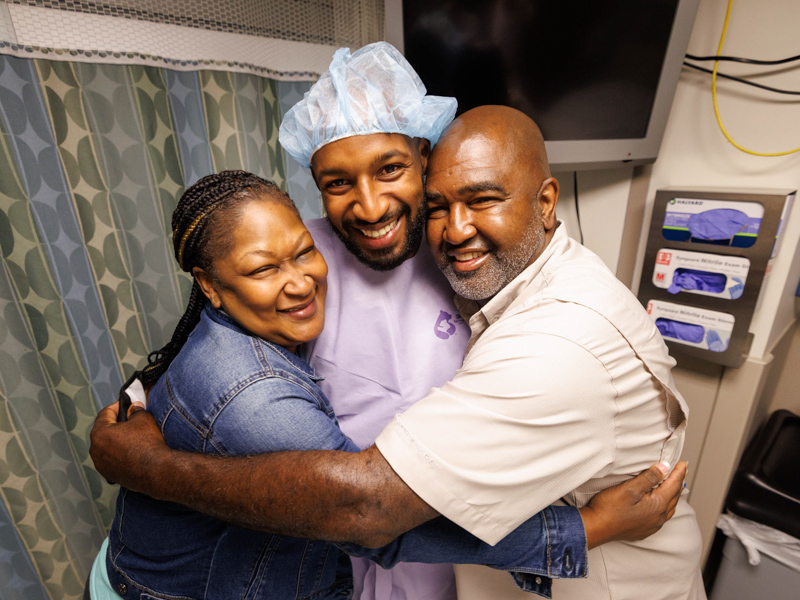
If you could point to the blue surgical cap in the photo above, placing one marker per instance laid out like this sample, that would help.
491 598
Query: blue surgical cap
373 90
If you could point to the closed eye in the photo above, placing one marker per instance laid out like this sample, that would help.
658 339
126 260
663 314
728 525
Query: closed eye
307 252
435 212
484 200
262 270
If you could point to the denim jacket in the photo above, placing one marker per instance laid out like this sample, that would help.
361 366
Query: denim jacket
230 393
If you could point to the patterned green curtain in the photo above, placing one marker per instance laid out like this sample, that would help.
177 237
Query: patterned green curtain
92 161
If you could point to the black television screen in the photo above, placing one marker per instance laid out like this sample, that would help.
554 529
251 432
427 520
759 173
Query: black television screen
585 71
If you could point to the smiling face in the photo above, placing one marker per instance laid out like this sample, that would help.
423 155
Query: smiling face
491 202
272 280
371 187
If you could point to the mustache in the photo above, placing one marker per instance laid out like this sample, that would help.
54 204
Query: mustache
477 243
385 219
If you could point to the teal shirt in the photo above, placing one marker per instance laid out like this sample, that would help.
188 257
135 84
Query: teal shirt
99 587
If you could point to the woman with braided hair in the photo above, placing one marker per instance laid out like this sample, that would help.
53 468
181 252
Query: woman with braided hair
230 383
201 232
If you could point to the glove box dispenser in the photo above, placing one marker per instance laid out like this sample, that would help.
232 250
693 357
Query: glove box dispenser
707 256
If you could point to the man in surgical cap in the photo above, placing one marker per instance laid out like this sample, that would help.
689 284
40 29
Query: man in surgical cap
392 331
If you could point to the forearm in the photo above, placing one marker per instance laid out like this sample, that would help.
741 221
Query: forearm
336 496
329 495
551 543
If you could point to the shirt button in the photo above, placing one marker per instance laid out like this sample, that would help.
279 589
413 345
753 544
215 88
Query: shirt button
123 589
538 581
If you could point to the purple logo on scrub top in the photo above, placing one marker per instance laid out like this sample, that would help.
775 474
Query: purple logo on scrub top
444 327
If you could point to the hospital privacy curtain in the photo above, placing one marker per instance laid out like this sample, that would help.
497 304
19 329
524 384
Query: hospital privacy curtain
93 158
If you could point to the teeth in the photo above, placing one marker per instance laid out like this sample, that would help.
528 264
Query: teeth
380 232
468 256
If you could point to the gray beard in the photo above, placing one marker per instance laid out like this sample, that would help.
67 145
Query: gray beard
499 270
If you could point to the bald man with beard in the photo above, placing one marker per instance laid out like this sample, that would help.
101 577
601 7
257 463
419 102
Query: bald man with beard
566 387
514 432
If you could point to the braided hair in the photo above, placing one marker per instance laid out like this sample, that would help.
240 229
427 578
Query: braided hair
202 230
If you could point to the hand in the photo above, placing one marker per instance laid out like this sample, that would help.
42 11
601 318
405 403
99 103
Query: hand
122 452
635 509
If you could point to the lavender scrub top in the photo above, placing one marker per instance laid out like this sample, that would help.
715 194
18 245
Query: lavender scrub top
389 337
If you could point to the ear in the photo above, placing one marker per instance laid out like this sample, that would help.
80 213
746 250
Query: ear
548 198
206 283
424 152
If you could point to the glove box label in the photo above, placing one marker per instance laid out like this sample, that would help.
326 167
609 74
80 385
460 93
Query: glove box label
698 327
716 222
700 273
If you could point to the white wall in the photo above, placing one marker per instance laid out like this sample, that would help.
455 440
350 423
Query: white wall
694 153
725 403
602 199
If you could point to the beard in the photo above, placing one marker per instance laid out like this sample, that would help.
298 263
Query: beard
386 259
500 269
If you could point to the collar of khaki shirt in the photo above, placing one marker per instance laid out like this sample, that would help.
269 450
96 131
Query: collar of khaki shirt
480 317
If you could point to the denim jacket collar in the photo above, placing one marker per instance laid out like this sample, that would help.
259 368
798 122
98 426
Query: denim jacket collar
224 319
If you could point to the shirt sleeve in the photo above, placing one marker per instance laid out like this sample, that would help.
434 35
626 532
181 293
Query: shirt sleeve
551 544
276 414
528 418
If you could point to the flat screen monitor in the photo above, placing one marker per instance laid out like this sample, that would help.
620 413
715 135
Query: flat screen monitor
598 77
